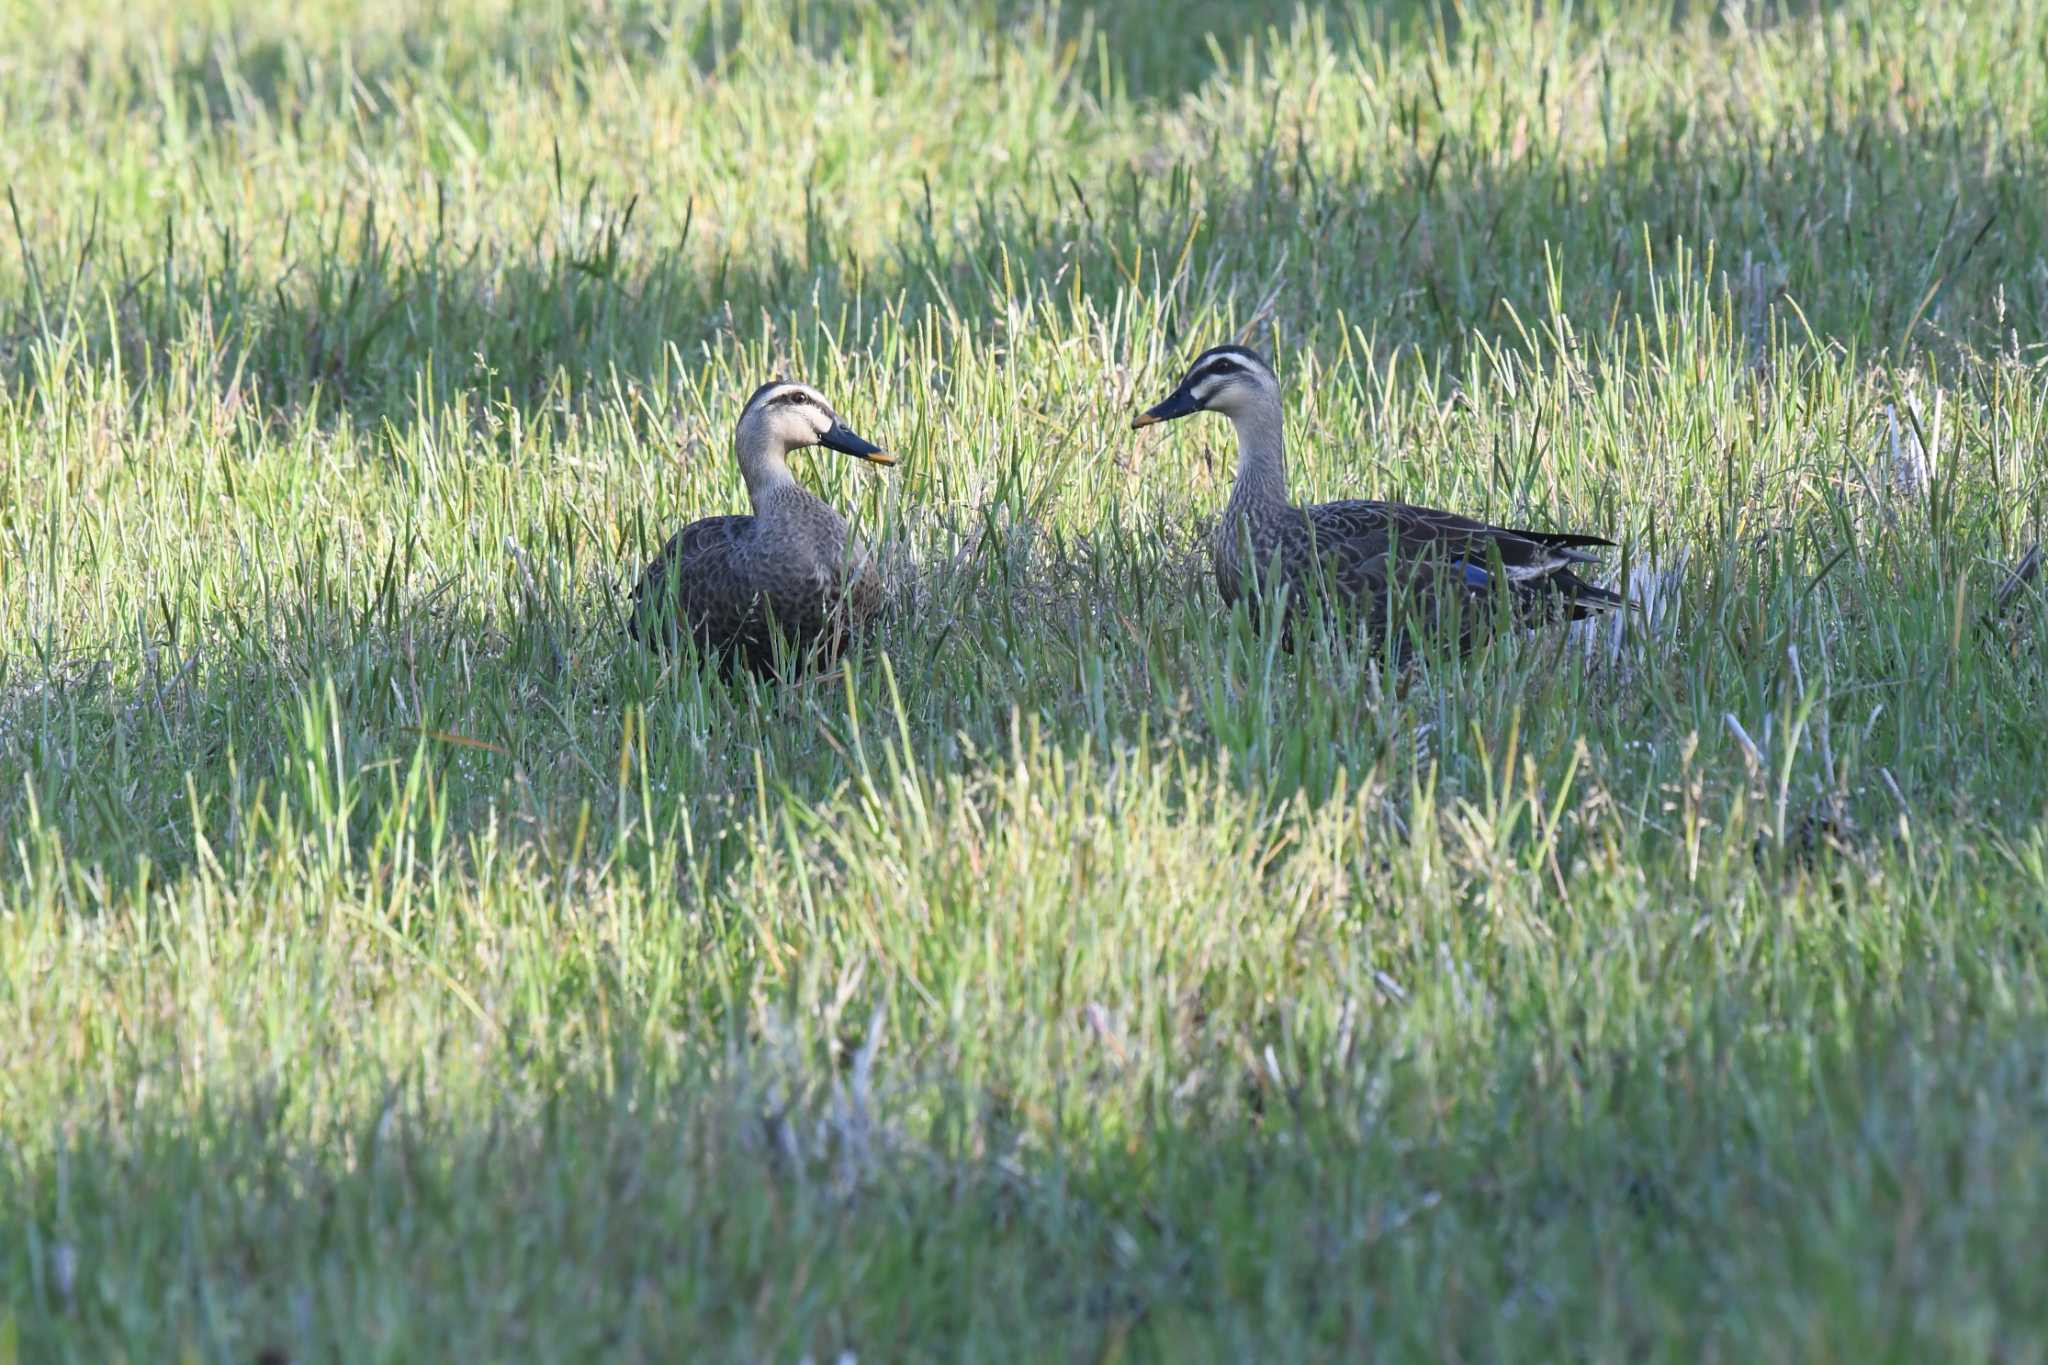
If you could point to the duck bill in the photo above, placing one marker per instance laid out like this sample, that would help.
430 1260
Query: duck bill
846 441
1177 404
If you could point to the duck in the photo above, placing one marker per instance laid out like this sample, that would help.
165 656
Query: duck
1390 562
780 589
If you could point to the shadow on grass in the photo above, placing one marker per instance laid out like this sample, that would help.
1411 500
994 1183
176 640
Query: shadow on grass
224 75
534 724
531 693
1890 234
1713 1187
220 74
535 717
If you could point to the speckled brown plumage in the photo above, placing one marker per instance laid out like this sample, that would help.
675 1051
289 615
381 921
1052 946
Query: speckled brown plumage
1432 571
1446 566
734 584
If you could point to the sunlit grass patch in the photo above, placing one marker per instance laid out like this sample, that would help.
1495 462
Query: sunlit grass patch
401 964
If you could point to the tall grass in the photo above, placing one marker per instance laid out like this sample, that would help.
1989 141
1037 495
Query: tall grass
400 965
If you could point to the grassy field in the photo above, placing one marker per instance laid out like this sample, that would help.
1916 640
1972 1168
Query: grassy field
397 966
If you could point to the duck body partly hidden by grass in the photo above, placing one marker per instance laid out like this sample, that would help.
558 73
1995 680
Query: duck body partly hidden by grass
781 589
1403 569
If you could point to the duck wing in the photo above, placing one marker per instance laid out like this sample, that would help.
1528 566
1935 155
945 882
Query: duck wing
692 587
696 587
1364 539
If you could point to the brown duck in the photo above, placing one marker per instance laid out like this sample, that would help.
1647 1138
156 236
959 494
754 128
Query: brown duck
792 570
1356 553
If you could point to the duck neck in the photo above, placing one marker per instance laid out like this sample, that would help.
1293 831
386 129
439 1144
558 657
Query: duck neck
1261 485
765 467
791 524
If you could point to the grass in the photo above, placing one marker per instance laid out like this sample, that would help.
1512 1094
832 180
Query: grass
398 966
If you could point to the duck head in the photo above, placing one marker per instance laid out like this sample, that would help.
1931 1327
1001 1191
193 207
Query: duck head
1225 379
785 416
